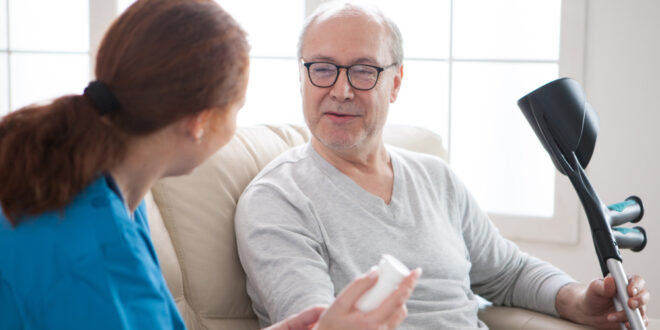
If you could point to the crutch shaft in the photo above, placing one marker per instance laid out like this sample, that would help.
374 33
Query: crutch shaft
621 281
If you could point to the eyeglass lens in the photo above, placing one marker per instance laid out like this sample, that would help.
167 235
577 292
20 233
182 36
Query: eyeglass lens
359 76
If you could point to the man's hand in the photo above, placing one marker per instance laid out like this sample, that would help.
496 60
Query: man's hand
593 305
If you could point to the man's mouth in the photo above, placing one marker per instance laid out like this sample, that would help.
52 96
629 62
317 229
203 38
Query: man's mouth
339 117
336 114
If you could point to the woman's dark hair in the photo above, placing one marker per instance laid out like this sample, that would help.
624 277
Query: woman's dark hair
163 60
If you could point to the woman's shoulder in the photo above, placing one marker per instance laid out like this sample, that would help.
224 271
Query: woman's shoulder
93 218
91 240
94 203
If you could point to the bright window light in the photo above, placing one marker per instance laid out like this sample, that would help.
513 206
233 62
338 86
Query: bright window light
507 29
3 25
272 26
424 25
493 149
273 95
123 4
47 25
40 77
4 80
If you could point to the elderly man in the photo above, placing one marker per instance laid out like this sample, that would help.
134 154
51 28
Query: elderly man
321 214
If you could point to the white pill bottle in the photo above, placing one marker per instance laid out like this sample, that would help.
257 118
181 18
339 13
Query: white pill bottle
390 273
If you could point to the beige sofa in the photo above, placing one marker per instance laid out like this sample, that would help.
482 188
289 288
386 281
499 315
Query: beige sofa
191 219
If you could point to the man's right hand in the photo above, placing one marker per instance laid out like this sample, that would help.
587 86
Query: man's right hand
343 314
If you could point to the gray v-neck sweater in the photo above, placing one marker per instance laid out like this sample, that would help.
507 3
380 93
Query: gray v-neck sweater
305 230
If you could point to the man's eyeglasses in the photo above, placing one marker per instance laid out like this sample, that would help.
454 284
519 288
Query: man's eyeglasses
362 77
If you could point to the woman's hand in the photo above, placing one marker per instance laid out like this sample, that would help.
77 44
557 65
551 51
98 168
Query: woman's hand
343 314
304 320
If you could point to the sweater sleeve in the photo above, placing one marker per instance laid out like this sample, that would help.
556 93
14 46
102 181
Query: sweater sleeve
501 272
280 248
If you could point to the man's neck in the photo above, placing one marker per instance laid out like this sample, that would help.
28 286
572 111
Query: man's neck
370 168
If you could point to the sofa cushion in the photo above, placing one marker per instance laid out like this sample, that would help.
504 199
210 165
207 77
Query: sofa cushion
194 238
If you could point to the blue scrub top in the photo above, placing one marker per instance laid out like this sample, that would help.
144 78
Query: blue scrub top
90 266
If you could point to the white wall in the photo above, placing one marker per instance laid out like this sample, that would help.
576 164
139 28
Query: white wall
622 82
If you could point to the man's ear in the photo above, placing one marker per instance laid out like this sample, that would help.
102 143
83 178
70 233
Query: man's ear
398 76
301 75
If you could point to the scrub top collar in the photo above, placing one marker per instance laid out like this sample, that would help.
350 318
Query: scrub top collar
115 188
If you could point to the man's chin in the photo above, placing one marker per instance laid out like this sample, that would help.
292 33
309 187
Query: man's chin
337 142
339 137
341 146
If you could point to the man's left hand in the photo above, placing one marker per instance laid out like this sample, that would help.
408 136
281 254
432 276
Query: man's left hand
593 304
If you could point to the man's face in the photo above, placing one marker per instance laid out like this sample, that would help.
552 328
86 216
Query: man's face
341 117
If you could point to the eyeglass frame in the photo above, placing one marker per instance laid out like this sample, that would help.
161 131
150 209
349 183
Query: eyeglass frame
348 76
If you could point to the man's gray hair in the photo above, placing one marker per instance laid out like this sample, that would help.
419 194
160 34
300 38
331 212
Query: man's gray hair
343 6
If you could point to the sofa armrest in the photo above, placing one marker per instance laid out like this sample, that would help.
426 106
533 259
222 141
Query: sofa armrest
512 318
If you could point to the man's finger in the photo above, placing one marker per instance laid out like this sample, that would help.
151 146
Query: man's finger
619 316
609 287
641 300
596 289
635 285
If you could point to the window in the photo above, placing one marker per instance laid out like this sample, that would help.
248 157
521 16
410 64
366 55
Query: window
4 83
123 4
45 60
502 50
466 64
4 60
273 95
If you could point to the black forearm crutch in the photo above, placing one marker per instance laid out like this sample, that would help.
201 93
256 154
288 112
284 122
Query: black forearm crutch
567 126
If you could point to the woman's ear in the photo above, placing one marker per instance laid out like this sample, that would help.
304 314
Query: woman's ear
196 124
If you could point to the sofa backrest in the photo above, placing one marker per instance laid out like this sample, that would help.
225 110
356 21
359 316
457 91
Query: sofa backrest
192 221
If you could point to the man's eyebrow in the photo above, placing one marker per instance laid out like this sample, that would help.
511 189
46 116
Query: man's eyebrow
361 60
322 58
368 60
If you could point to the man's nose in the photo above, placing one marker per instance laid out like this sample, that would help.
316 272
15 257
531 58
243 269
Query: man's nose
342 89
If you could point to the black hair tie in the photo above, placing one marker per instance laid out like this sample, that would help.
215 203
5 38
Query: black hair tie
102 97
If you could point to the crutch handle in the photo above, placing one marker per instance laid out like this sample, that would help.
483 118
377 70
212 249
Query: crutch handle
630 238
630 210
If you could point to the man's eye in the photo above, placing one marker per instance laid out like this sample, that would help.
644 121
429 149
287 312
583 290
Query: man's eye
363 71
323 70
